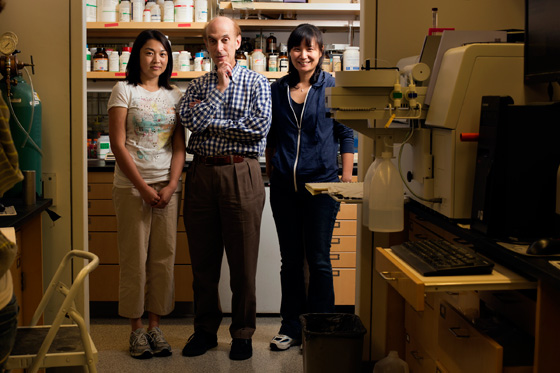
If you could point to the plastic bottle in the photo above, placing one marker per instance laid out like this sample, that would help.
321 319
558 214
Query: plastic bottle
88 59
367 191
123 60
156 13
336 63
258 60
137 10
351 58
109 10
198 61
168 11
206 66
147 15
201 11
327 64
175 56
391 364
91 11
387 198
100 60
241 59
103 146
114 61
273 62
184 11
184 61
125 11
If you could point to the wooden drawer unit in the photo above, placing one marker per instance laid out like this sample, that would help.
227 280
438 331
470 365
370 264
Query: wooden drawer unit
421 325
419 359
347 212
343 260
345 228
343 243
344 280
343 254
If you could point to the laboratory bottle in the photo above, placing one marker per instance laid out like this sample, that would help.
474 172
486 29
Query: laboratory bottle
184 10
391 364
336 63
137 10
114 61
246 45
367 191
271 44
258 60
156 13
124 11
168 11
103 146
175 56
201 11
88 59
273 62
100 60
123 60
198 61
147 15
327 64
260 42
91 10
206 66
351 59
109 10
283 61
241 59
386 204
184 61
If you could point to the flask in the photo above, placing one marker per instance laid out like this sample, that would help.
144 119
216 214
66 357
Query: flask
367 191
198 61
91 11
386 206
351 58
184 61
391 364
240 58
258 60
271 43
123 60
168 11
124 11
114 61
201 11
100 60
137 10
88 59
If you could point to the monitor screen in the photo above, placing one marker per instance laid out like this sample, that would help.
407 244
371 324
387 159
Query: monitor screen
542 41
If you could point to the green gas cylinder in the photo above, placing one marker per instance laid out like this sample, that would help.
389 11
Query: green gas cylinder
25 126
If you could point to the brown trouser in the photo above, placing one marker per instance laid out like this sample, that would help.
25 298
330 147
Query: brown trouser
223 208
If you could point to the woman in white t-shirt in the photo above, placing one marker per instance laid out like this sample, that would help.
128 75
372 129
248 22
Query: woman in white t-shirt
149 149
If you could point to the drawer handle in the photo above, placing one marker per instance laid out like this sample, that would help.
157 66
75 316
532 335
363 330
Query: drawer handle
335 256
416 356
335 241
336 273
337 224
387 276
455 332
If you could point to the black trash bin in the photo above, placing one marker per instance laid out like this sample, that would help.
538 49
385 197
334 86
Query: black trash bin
332 342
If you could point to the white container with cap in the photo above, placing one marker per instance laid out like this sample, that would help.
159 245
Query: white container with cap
386 206
391 364
88 60
184 11
201 11
147 15
336 63
114 61
91 10
175 56
367 191
123 59
351 59
125 11
198 61
168 11
137 10
155 13
206 65
109 10
184 61
258 60
103 146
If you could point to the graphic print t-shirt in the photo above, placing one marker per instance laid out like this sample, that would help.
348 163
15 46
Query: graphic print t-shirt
150 123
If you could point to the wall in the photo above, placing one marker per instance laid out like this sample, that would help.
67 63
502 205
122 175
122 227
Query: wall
53 33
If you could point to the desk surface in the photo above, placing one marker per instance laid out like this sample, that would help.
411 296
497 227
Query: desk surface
24 213
535 267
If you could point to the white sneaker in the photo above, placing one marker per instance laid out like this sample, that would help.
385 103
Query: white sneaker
282 342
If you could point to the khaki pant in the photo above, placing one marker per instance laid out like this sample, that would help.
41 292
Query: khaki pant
147 238
223 209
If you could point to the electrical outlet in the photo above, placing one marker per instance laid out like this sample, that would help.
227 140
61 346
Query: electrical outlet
49 186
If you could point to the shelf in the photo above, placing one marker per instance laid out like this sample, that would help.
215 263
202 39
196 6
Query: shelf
132 29
294 8
102 75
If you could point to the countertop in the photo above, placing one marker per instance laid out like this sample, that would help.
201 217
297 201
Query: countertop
24 213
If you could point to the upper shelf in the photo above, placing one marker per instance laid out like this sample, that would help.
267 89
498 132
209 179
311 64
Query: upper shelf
292 8
131 29
103 75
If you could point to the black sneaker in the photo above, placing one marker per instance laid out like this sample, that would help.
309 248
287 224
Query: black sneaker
199 343
241 349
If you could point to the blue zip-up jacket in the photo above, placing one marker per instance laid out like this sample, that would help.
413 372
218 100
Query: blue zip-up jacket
307 147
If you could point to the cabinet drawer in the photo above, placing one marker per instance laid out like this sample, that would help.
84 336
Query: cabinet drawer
104 283
102 223
422 327
347 211
343 260
345 228
343 243
100 191
105 245
418 358
462 348
100 177
101 207
344 280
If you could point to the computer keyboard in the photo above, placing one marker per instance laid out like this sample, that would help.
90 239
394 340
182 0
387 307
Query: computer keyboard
442 258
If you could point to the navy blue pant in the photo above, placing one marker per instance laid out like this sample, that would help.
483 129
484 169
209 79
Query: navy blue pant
304 224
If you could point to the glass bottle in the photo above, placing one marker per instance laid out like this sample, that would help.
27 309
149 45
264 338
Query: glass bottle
100 60
271 43
240 58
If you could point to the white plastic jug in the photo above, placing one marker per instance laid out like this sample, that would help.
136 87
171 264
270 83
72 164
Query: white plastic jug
386 206
367 191
391 364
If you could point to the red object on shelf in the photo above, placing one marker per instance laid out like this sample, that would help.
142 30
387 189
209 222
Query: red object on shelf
433 30
468 137
111 24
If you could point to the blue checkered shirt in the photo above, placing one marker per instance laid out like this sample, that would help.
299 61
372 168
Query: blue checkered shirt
234 122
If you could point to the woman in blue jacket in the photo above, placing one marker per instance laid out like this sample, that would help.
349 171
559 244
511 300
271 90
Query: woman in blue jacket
302 147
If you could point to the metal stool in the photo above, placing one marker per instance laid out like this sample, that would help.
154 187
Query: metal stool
57 345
